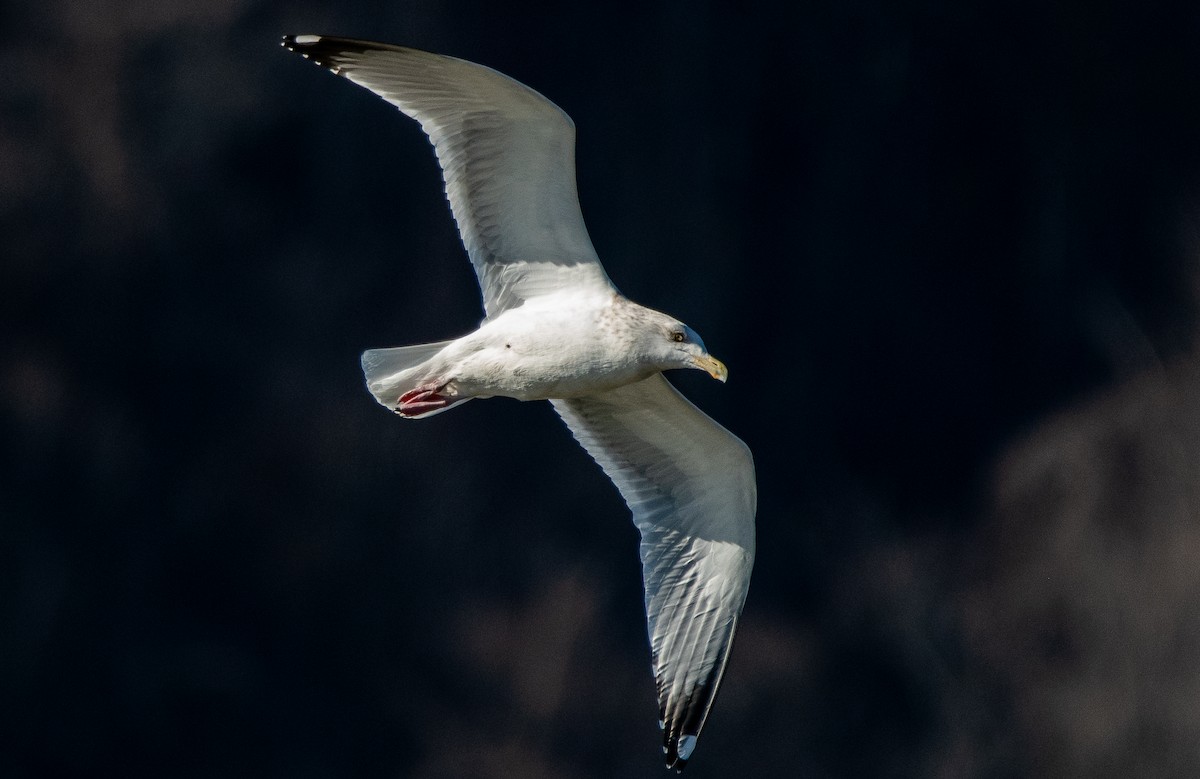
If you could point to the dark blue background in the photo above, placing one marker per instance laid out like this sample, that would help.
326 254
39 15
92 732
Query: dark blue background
948 251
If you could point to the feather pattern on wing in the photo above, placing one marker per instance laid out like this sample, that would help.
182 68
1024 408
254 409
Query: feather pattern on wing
507 156
690 485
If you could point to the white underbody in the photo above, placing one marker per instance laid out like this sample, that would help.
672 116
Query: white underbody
547 348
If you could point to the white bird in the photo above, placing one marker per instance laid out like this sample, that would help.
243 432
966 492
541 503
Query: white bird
557 329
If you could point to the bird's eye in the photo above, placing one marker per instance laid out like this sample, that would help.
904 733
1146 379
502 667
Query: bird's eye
677 337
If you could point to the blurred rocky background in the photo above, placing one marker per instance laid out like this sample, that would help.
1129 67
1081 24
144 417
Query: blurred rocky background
948 250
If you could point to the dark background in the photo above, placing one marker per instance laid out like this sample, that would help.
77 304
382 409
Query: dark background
948 250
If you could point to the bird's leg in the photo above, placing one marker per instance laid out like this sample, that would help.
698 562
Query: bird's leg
423 399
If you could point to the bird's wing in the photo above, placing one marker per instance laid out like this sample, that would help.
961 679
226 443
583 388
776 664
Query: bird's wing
507 155
690 485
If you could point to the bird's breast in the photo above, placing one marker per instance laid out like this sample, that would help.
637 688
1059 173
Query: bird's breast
557 355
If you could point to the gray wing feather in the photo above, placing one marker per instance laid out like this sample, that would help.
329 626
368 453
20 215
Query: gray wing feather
690 485
507 156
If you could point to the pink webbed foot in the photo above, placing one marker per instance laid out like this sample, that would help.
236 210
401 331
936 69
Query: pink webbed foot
423 400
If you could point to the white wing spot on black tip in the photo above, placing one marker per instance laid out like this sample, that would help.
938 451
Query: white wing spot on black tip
686 745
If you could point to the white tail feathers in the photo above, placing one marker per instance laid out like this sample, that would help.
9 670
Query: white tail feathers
392 372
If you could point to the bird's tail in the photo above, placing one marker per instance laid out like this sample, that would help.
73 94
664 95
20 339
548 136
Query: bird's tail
392 372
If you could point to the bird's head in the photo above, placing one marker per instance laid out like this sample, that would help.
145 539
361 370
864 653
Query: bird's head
673 344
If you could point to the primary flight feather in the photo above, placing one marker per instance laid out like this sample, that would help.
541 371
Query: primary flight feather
557 329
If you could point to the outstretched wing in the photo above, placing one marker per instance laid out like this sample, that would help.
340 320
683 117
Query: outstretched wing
507 157
690 485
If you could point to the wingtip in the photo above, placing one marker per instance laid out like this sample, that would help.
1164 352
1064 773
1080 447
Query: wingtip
330 51
320 49
678 751
297 42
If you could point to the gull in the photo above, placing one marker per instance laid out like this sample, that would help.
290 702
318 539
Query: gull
557 329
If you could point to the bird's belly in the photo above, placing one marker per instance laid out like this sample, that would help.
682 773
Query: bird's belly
540 377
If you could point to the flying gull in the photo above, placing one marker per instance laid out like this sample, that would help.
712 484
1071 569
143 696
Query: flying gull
557 329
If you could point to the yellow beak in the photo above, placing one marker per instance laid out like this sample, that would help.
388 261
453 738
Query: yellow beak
712 366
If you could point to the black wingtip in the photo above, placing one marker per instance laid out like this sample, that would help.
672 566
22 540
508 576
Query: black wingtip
330 51
289 42
674 761
304 45
321 49
678 749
